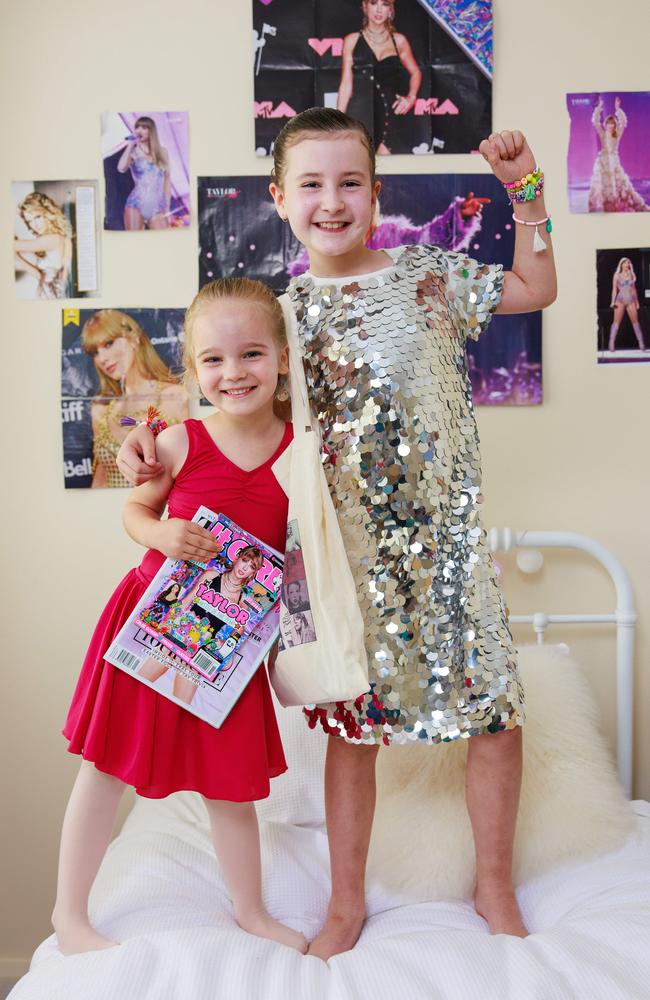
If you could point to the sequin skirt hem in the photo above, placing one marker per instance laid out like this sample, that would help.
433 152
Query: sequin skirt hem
339 720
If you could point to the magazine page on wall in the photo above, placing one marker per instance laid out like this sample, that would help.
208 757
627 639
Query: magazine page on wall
608 162
146 170
115 364
418 73
55 239
210 623
623 305
240 232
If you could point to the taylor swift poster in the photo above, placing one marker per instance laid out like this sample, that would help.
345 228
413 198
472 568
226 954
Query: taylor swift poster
608 163
623 305
241 233
146 170
418 73
55 239
115 363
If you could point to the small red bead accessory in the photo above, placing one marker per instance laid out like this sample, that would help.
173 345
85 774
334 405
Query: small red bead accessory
154 421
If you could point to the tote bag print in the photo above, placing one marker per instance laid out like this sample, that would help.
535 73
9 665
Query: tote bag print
296 619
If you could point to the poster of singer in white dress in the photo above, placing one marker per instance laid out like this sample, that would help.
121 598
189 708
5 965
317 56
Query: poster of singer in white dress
55 239
241 233
418 73
608 164
146 170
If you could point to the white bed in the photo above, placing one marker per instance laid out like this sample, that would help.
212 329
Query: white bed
161 894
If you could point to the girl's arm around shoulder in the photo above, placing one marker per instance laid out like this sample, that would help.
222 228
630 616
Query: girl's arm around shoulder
174 537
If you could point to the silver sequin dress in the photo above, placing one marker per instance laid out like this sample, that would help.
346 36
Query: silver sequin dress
384 357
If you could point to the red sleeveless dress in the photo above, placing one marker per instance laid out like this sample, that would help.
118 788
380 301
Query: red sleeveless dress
129 730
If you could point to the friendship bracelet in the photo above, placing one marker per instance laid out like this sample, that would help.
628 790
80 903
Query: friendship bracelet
530 178
538 242
527 191
154 421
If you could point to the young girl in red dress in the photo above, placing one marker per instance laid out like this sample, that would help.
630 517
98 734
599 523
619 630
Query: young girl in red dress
126 732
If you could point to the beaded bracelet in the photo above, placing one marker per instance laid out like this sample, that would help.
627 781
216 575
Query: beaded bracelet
154 421
526 189
538 242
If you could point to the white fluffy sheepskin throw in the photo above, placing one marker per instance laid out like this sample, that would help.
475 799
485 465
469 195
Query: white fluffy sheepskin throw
571 804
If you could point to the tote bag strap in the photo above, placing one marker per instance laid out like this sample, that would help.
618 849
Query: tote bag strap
300 409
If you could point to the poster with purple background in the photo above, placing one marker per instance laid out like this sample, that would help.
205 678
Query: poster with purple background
608 163
146 169
241 233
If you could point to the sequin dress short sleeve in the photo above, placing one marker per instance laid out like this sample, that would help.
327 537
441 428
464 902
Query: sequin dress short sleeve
384 357
128 729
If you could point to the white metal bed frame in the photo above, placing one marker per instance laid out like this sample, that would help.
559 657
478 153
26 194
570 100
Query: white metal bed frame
624 617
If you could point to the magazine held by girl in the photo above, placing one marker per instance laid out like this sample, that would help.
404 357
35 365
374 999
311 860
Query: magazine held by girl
212 623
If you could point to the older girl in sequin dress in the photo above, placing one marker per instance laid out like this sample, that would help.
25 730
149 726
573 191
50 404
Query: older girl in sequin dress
127 732
384 336
611 190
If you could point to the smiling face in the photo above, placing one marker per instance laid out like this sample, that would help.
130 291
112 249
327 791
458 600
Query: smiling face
237 357
328 197
115 357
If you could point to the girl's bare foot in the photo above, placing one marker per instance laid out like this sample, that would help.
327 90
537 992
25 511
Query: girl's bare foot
263 925
75 937
498 906
339 933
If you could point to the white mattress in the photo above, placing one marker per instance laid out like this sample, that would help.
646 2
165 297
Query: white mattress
160 893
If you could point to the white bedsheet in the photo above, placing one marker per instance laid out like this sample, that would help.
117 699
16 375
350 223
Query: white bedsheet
160 893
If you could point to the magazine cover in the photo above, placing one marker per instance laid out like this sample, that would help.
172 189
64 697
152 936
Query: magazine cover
211 623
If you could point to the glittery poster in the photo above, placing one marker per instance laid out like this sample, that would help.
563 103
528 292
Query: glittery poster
241 233
418 73
115 363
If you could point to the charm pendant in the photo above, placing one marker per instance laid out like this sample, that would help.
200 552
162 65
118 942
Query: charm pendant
538 242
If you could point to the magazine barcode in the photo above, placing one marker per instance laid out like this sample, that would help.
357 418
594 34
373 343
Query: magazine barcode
129 660
205 663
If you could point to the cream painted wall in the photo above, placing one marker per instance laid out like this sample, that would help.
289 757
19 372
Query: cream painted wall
580 462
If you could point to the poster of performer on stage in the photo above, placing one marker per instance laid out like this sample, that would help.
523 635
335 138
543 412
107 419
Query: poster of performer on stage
623 305
241 233
608 163
115 364
418 73
55 239
146 170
